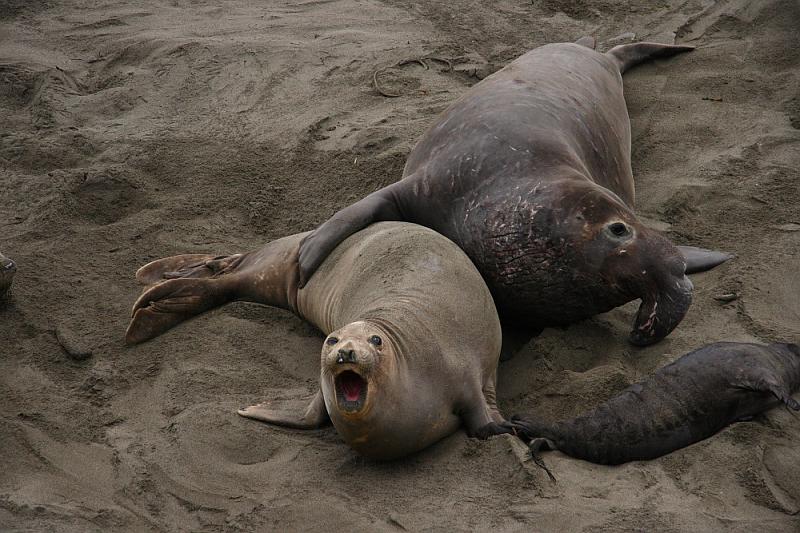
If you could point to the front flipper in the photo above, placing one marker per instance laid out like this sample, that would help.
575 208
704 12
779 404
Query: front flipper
535 446
522 430
169 303
379 206
700 259
478 410
187 266
492 429
315 415
770 385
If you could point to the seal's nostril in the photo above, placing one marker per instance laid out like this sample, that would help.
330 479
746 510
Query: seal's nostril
346 356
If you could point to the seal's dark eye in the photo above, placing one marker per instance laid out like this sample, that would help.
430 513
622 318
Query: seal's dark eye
375 340
331 341
619 229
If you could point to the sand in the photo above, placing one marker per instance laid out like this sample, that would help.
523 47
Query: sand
131 131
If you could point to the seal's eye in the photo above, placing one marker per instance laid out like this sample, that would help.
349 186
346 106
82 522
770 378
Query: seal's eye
619 229
375 340
331 341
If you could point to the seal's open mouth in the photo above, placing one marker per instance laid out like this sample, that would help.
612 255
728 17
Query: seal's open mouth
351 390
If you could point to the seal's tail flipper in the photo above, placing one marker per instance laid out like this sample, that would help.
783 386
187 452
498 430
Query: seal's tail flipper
167 304
588 41
314 416
700 259
630 55
186 266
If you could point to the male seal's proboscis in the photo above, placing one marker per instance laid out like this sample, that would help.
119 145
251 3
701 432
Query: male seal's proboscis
529 172
7 270
682 403
413 336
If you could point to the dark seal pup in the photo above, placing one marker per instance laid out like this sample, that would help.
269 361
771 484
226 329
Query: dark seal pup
682 403
7 270
529 172
413 335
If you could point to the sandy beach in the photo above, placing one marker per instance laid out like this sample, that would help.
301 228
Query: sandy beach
131 131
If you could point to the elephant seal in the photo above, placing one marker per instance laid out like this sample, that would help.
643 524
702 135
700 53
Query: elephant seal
7 270
682 403
413 335
529 172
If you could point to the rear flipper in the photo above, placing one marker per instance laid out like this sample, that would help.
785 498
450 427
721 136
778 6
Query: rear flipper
314 416
169 303
629 55
700 259
382 205
183 286
186 285
187 266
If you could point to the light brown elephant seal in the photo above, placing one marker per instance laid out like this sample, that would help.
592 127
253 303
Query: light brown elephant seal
529 172
413 334
7 270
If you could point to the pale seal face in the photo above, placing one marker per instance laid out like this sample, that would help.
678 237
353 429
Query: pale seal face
353 360
7 270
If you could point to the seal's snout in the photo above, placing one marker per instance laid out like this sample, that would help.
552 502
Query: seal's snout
662 311
346 356
7 265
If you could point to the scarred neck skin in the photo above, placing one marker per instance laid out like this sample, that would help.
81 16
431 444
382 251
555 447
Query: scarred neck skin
551 240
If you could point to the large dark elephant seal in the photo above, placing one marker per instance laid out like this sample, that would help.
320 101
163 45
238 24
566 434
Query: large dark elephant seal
682 403
529 172
7 270
413 335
